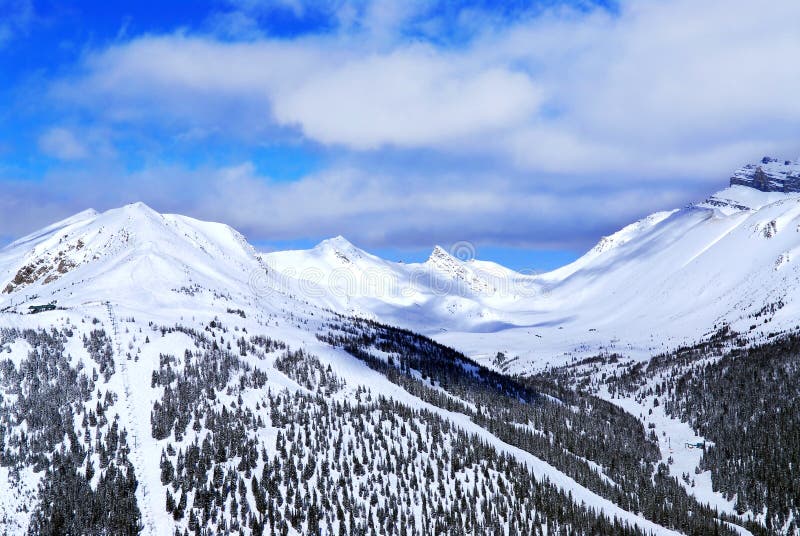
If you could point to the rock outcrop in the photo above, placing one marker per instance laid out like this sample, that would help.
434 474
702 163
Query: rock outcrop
770 175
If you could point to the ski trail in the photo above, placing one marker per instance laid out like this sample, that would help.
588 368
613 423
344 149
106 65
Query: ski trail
129 421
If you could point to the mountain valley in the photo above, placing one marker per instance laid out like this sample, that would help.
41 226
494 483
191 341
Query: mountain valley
181 382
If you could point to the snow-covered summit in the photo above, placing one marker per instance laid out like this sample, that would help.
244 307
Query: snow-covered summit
460 271
738 198
341 248
132 250
440 255
769 175
336 243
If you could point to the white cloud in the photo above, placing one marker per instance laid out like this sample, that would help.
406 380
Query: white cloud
579 121
415 96
658 82
411 210
409 98
373 210
62 143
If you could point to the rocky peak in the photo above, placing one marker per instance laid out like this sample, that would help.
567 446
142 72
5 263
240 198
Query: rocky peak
443 262
769 175
341 248
440 254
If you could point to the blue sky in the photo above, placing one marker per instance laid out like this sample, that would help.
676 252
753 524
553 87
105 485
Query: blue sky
527 128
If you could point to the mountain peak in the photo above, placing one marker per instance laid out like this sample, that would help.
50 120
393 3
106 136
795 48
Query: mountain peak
439 253
769 175
137 208
336 243
129 248
340 247
442 260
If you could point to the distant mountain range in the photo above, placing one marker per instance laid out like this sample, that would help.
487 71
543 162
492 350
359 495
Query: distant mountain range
658 283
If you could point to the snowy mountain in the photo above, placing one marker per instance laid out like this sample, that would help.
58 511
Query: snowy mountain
186 384
338 275
171 378
130 253
656 284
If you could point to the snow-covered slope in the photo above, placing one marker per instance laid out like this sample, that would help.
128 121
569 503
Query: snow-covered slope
179 363
663 281
228 367
667 280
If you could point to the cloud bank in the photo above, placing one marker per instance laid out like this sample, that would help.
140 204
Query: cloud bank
543 129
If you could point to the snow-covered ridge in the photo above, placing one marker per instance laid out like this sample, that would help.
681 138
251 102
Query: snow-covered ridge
662 281
132 250
670 276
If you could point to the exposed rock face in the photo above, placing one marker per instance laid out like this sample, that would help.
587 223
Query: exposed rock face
770 175
47 267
